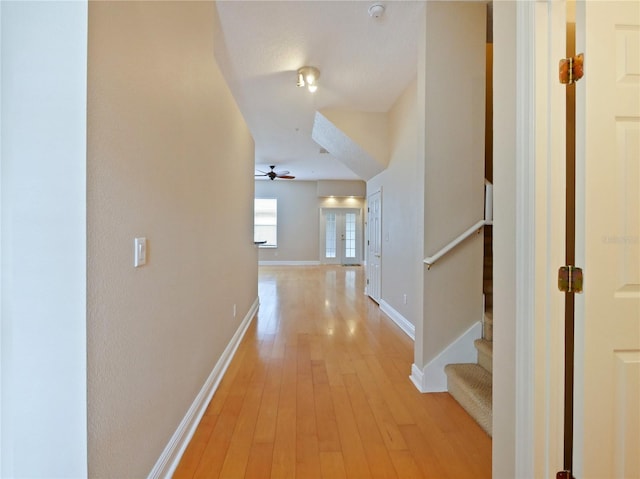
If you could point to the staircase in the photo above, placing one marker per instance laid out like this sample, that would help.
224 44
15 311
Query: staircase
471 384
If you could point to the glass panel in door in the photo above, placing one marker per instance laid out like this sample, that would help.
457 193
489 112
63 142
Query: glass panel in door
330 249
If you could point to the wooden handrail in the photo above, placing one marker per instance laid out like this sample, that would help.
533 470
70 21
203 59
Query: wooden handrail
430 260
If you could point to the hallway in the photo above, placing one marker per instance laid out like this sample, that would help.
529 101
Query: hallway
319 388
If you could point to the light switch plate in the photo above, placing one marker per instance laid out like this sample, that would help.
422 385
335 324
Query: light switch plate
140 251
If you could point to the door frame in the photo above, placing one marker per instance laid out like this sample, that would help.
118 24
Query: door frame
539 239
1 257
524 236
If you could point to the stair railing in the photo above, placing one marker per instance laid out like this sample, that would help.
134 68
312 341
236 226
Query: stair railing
430 260
488 215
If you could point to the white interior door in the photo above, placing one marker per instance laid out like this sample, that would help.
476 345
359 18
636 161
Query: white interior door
341 236
607 393
374 245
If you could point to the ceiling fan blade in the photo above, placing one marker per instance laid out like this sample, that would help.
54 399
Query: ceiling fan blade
281 173
286 177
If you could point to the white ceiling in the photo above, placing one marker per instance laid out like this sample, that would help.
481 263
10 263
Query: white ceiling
365 64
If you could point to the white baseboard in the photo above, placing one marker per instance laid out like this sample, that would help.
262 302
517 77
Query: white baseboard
402 322
432 378
170 457
417 378
288 263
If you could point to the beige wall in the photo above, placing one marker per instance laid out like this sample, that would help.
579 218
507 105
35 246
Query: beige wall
299 218
402 210
370 131
453 96
342 188
504 239
169 158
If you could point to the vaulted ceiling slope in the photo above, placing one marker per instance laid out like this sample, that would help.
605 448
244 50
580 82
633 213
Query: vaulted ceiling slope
365 64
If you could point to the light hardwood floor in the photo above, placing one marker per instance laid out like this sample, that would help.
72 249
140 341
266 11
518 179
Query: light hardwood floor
320 388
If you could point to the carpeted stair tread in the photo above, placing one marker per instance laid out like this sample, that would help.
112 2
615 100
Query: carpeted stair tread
470 385
485 353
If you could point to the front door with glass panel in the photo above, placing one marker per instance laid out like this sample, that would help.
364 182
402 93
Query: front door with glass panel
341 236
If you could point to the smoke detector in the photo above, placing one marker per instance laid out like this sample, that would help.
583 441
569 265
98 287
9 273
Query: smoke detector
376 10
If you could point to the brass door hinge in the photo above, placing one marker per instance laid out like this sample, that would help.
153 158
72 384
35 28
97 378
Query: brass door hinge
570 279
571 69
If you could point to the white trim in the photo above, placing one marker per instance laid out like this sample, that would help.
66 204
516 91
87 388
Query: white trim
403 323
432 378
525 238
417 378
170 457
289 263
2 326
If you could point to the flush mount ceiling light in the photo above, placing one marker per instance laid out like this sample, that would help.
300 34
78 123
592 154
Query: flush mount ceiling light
376 10
308 76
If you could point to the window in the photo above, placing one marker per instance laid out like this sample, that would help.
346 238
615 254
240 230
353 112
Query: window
265 222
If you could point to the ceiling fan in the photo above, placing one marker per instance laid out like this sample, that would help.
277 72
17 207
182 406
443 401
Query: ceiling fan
276 174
